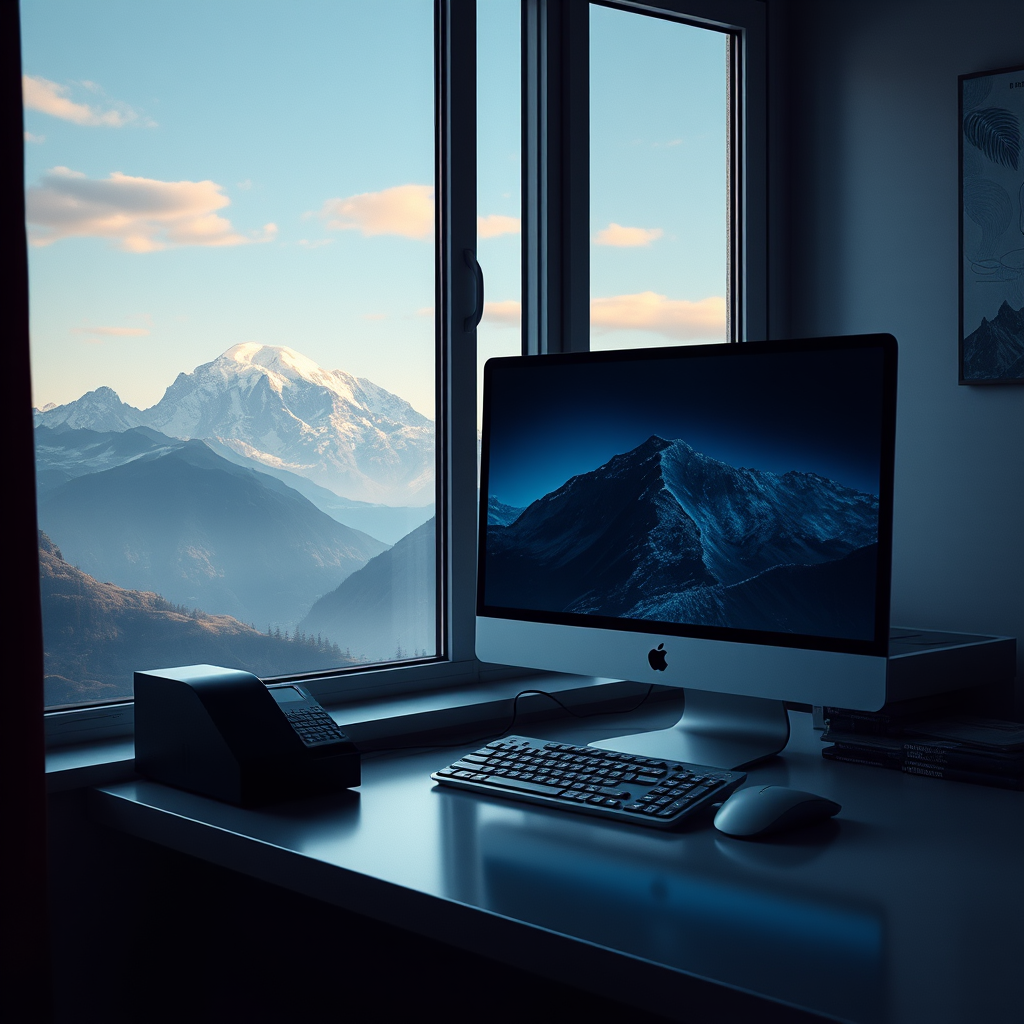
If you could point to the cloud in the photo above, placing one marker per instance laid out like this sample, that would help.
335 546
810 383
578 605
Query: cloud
675 318
29 137
113 332
679 319
50 98
617 235
507 313
137 214
495 224
406 210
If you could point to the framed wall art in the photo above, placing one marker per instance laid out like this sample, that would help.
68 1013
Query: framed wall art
992 227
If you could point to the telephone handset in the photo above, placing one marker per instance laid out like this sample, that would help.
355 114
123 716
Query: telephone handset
223 733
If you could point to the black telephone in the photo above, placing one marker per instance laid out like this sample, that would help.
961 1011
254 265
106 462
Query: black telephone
223 733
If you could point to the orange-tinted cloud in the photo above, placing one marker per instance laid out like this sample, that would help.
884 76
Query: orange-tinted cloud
137 214
679 319
405 210
507 313
495 224
50 98
621 237
113 332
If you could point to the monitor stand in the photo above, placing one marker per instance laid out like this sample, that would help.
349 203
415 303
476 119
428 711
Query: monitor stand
721 730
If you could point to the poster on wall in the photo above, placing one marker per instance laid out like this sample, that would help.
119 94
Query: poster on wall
992 227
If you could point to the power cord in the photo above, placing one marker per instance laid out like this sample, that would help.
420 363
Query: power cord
511 723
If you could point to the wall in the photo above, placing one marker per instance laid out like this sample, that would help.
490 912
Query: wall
864 237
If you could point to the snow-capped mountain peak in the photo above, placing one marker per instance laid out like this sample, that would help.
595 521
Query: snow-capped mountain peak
276 406
282 365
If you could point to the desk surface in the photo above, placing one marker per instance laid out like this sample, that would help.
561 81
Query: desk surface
907 907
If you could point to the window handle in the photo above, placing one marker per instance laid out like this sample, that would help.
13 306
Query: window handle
471 322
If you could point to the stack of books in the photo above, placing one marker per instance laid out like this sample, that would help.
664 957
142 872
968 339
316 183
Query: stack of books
911 737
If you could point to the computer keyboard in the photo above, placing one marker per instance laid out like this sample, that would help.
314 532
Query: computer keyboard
624 787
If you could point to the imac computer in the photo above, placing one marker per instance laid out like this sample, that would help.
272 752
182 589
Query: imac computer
712 517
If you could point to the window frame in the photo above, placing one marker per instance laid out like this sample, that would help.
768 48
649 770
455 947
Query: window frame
556 164
556 288
455 290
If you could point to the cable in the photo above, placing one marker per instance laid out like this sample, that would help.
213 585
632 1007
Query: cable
512 722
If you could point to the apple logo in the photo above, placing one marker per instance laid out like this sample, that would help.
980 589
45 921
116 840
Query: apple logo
657 658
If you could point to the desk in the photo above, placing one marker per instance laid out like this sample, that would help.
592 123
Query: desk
908 907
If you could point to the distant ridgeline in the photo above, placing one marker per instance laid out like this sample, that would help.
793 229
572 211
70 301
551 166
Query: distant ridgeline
665 533
274 408
97 634
223 498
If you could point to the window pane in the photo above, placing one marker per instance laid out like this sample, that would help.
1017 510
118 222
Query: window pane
499 168
659 189
232 286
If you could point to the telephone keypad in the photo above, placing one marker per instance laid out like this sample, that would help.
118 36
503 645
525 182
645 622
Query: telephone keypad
314 726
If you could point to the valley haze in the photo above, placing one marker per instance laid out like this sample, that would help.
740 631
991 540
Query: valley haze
257 485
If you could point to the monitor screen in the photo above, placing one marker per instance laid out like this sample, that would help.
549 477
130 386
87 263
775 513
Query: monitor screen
724 492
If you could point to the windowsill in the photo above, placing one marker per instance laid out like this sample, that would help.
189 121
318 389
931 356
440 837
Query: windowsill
410 720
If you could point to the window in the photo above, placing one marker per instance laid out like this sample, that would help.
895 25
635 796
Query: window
306 200
614 254
234 335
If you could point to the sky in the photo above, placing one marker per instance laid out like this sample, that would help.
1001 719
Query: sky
658 105
817 411
259 171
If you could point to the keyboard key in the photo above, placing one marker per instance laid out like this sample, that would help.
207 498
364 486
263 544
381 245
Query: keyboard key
526 787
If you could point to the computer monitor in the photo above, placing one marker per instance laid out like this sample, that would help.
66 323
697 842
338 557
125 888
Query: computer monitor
713 517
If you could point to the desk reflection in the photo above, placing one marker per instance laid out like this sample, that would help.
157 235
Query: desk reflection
674 899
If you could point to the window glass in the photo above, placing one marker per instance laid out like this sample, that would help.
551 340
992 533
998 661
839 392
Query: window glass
230 212
659 181
499 168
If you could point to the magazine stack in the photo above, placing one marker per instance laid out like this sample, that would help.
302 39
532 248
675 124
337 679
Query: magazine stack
910 737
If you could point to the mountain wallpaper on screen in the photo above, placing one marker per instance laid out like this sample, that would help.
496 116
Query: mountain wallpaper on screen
665 533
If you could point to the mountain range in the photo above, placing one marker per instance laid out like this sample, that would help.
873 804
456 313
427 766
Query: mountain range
97 634
238 498
183 522
274 406
388 607
64 452
664 532
500 514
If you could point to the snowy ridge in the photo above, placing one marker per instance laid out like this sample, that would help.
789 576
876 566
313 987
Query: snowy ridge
666 533
277 407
